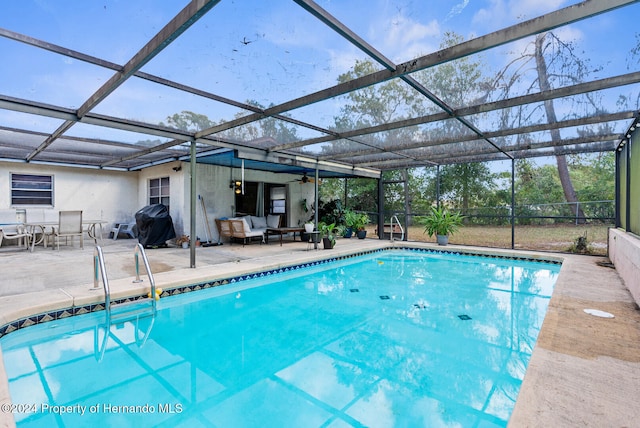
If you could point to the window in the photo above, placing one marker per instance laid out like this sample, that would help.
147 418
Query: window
159 191
28 189
278 200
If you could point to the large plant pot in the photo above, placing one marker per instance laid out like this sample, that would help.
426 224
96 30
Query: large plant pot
348 232
328 244
443 239
361 234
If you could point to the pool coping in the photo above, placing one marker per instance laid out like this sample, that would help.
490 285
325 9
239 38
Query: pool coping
537 403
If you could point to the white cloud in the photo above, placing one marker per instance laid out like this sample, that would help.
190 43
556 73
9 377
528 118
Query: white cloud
527 9
457 9
402 38
500 12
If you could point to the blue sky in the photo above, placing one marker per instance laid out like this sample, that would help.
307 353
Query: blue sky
267 51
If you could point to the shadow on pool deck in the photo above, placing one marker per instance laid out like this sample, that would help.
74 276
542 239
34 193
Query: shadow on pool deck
584 371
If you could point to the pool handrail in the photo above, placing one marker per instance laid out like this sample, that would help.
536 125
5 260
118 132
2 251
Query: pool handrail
399 224
99 268
139 250
101 272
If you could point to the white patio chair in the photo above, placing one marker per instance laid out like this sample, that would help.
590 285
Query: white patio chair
126 228
69 225
18 233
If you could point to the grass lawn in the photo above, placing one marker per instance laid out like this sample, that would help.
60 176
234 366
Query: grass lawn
550 238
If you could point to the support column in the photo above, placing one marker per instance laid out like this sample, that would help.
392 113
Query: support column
513 204
192 202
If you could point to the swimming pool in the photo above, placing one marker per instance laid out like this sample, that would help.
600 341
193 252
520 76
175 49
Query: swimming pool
392 338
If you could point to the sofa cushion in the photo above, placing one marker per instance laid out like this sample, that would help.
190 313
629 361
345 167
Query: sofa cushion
247 218
273 221
246 225
259 222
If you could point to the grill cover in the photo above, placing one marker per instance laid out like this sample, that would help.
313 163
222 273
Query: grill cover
155 226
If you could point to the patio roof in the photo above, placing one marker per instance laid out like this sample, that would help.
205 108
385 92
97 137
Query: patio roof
269 83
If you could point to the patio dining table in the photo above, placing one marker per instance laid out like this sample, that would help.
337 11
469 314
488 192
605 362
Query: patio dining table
36 228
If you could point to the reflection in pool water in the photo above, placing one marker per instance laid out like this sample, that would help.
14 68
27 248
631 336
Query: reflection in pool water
317 346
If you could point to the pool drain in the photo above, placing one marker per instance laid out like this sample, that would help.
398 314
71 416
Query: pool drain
464 317
384 297
354 290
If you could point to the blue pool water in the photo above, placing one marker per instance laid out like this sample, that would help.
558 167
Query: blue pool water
389 339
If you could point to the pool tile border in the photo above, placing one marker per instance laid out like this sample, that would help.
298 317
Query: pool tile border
81 310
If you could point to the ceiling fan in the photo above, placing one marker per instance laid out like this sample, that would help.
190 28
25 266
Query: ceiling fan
306 179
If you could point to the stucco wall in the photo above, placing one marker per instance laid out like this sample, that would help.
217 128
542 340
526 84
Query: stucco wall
115 196
101 194
624 253
176 192
212 185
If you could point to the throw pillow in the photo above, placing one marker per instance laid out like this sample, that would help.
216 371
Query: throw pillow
273 221
259 222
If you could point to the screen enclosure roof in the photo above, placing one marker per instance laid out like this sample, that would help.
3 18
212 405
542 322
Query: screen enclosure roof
352 88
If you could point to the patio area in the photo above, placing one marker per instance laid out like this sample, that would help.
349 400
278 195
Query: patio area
584 371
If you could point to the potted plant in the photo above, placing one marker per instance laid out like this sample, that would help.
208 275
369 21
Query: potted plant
442 223
183 241
350 222
328 235
362 219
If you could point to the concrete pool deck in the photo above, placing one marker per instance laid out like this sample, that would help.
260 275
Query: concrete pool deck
584 371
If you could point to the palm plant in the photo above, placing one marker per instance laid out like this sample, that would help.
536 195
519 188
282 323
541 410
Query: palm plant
442 223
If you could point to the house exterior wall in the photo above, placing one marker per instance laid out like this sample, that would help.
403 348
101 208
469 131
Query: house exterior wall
101 194
212 185
115 196
177 195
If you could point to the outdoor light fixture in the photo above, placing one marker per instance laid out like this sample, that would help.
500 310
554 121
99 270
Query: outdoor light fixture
236 185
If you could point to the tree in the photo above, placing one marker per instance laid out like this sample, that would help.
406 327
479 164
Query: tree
462 82
555 64
269 127
466 184
561 160
188 121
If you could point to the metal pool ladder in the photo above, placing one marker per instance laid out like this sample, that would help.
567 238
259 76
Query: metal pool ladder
126 311
395 217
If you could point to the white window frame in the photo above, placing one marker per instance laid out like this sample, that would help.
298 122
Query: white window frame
159 191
